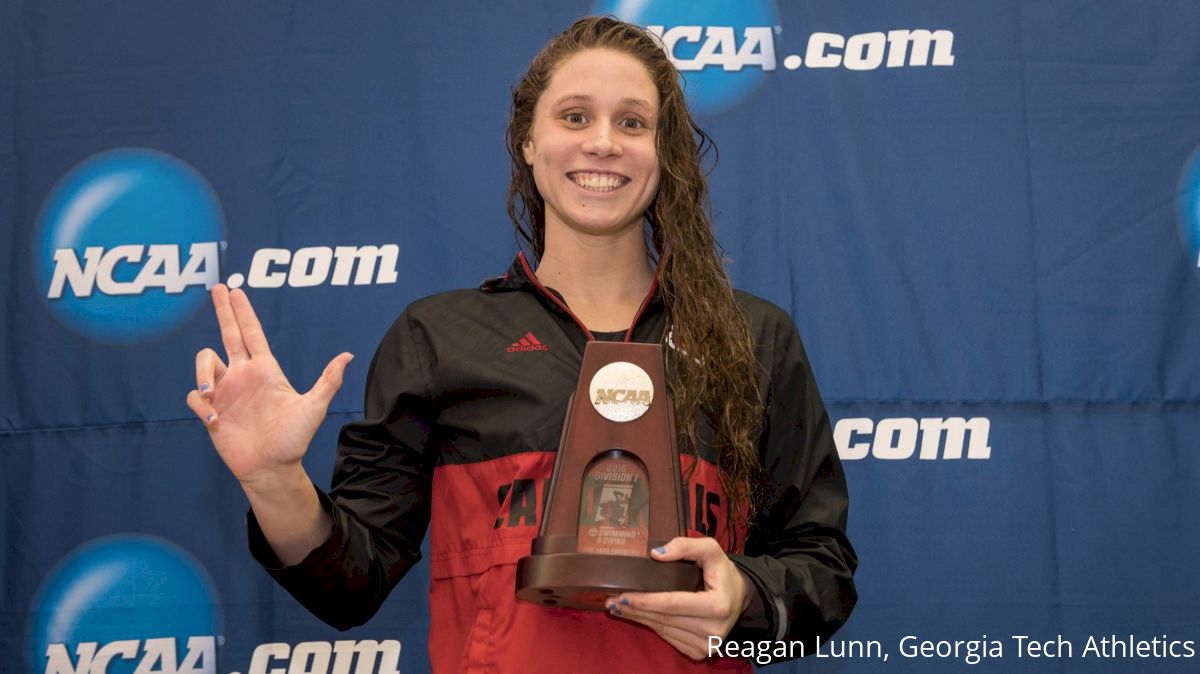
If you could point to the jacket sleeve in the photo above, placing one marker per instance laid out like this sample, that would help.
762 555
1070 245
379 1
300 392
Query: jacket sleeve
797 553
380 494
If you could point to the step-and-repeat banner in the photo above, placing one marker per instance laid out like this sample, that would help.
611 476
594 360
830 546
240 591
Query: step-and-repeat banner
984 218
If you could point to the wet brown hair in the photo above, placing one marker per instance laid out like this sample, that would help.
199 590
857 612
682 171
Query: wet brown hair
718 377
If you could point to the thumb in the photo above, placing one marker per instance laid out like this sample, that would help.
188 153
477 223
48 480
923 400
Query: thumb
330 380
695 549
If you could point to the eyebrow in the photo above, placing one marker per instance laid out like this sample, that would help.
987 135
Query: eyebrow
636 102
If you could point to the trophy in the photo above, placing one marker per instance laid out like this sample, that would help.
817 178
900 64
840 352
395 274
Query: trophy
615 491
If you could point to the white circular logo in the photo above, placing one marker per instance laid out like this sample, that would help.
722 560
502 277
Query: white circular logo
621 391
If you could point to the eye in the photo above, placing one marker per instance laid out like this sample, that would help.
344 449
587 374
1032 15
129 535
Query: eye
632 123
575 118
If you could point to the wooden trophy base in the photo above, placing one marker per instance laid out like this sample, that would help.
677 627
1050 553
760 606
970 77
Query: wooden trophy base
585 580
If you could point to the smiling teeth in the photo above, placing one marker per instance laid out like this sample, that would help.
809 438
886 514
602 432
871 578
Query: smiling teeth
598 182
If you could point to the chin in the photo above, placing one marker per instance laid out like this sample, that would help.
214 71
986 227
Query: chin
607 227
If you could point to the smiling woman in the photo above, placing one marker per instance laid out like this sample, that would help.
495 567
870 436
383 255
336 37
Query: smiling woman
459 431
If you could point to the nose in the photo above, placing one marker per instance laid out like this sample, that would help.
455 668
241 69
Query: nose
602 142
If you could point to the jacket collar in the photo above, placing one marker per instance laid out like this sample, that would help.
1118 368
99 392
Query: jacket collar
520 277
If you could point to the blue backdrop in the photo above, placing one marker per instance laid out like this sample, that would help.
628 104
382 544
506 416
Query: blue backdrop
984 218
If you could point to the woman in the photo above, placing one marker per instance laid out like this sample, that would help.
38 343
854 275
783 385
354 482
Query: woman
608 191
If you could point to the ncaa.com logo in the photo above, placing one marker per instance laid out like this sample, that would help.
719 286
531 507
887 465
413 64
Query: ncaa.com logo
726 49
138 604
130 240
123 602
902 438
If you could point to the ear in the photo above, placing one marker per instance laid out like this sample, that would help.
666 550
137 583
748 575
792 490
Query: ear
527 151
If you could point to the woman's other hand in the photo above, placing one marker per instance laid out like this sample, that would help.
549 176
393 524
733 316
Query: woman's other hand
686 620
261 426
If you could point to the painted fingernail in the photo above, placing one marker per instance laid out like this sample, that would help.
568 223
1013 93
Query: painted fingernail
204 387
661 550
624 601
616 611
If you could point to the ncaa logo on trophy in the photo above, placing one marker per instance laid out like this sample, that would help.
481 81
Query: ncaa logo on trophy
622 391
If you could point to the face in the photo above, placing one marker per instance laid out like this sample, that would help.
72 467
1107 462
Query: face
591 146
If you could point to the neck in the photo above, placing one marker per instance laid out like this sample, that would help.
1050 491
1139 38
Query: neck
603 279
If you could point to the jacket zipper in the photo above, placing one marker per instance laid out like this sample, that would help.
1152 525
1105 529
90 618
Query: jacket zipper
562 305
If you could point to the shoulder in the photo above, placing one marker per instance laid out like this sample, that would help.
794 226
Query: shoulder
777 342
461 324
761 310
768 321
426 313
449 301
473 303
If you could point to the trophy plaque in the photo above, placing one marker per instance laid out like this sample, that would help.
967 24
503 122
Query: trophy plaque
615 491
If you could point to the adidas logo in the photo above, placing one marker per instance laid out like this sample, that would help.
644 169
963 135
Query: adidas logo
527 343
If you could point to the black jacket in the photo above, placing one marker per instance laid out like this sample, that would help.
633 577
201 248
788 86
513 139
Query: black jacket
464 407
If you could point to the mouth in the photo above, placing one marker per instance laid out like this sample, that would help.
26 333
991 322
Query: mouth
597 181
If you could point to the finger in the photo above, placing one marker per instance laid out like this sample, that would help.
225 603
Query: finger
688 648
693 604
202 408
705 552
700 627
252 331
330 380
685 641
694 647
231 335
209 370
699 550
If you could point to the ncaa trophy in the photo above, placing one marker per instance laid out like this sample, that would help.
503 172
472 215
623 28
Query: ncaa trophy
615 491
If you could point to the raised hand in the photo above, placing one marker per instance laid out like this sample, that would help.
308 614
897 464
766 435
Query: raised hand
259 424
